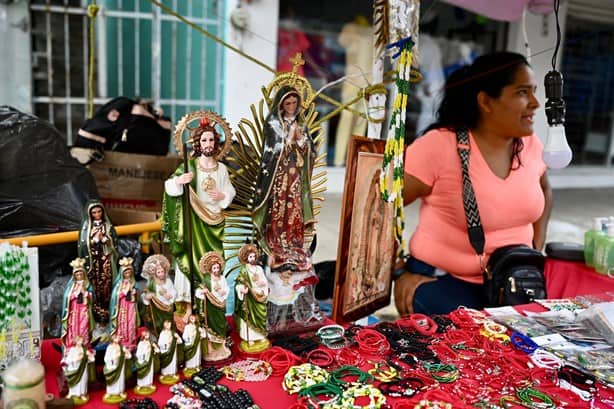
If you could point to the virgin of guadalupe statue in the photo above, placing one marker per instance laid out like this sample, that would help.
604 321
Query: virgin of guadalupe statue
283 207
276 186
77 319
97 240
211 296
251 302
123 309
159 294
210 192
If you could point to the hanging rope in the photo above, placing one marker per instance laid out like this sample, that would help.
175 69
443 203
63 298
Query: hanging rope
392 166
215 38
92 11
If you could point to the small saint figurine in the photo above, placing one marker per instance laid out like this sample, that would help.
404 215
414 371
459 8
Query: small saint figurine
97 240
169 354
159 294
211 297
192 336
123 310
146 352
77 319
115 365
252 290
75 363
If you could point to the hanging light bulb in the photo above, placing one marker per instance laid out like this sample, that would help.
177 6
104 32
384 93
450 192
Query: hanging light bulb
557 153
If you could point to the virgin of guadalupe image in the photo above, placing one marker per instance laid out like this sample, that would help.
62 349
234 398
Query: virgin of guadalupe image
77 319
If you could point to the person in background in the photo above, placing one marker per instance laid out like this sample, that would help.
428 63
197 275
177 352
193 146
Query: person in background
495 99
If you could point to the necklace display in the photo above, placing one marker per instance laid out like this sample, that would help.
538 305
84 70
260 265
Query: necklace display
15 297
209 183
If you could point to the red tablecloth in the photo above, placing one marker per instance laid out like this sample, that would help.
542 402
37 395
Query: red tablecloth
267 395
566 279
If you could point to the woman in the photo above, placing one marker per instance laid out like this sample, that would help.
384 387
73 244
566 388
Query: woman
123 309
495 100
97 240
77 319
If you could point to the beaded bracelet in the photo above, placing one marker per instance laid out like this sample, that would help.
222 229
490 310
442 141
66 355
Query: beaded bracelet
545 359
301 376
523 343
383 371
433 404
320 357
280 359
146 403
423 324
349 356
314 392
376 398
330 332
442 373
529 395
406 387
248 370
337 376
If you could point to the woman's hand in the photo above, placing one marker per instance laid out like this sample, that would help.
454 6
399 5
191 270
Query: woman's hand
403 294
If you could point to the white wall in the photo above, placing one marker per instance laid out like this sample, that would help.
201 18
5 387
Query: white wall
542 39
15 65
243 78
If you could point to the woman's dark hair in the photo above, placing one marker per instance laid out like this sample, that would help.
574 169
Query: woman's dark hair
489 73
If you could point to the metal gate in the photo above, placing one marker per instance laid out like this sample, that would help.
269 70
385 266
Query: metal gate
140 52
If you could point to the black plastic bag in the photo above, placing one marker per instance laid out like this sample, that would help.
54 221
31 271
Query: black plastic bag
42 188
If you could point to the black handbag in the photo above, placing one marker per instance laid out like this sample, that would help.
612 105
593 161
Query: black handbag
514 274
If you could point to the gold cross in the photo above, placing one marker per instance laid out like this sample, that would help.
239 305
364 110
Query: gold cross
297 60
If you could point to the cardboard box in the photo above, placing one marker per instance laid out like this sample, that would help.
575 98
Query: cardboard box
132 181
120 216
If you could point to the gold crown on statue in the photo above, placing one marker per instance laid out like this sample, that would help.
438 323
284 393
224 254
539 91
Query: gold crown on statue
292 79
78 264
126 262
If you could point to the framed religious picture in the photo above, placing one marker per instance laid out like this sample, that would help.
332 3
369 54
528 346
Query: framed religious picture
367 249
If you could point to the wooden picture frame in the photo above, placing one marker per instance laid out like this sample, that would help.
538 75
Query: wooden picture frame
367 248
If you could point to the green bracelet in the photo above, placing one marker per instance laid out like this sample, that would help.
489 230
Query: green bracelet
348 370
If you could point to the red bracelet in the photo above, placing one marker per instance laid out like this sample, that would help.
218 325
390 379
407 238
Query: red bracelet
372 342
280 359
321 357
349 356
423 324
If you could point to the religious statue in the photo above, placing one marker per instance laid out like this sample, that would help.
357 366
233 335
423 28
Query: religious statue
124 308
97 240
192 336
146 352
251 302
169 354
209 193
115 365
159 294
276 185
76 362
211 297
77 319
283 212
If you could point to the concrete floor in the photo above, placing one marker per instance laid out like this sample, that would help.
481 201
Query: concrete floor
572 213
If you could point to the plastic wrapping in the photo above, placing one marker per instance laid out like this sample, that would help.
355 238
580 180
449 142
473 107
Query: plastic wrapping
42 188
